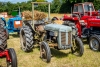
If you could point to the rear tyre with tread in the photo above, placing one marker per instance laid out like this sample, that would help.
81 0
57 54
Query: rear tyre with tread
2 23
7 33
3 38
26 38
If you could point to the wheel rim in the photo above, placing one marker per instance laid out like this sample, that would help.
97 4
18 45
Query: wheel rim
43 53
9 64
76 48
24 40
94 44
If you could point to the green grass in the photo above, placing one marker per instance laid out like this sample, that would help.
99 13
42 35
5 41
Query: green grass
62 58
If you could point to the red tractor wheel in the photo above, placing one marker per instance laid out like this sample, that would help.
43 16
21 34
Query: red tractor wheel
13 57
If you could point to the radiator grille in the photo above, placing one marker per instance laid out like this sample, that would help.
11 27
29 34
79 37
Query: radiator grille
69 37
63 38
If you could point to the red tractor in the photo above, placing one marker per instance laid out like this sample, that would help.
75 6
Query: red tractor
87 22
9 54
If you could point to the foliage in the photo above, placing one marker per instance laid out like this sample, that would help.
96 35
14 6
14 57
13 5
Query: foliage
40 0
97 4
57 6
66 7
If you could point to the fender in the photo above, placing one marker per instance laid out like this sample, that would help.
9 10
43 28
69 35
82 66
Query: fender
70 18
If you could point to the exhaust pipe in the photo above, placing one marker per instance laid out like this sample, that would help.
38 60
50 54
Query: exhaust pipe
90 6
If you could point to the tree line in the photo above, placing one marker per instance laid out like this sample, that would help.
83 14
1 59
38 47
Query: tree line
57 6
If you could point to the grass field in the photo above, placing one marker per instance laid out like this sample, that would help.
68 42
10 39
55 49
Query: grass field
62 58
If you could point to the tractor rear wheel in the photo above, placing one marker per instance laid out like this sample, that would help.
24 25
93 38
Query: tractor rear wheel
2 23
94 42
26 38
13 57
7 33
3 38
77 48
45 52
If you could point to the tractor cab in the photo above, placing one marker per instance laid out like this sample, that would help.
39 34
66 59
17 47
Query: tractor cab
84 9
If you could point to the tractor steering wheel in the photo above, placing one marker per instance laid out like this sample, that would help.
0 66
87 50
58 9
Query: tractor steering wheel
76 15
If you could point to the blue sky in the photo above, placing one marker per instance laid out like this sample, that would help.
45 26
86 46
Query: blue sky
14 1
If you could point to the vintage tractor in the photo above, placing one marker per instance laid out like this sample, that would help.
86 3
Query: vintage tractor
9 53
87 21
44 33
13 24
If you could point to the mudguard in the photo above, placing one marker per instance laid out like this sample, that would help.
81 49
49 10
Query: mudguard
57 27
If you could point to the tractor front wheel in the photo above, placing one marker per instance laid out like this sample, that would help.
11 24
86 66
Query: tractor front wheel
77 48
45 52
94 42
26 39
13 57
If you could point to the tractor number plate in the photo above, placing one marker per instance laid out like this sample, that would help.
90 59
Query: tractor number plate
17 22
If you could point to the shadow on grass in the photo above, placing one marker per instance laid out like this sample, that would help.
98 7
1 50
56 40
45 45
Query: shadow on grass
55 52
58 53
85 42
28 52
14 35
1 66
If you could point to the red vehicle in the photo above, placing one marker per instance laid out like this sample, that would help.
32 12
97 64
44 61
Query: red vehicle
87 22
9 54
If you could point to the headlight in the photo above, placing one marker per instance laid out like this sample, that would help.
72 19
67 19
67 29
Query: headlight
74 31
53 33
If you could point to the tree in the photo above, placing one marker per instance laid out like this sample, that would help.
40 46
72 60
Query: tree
80 1
96 4
37 0
40 0
55 6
